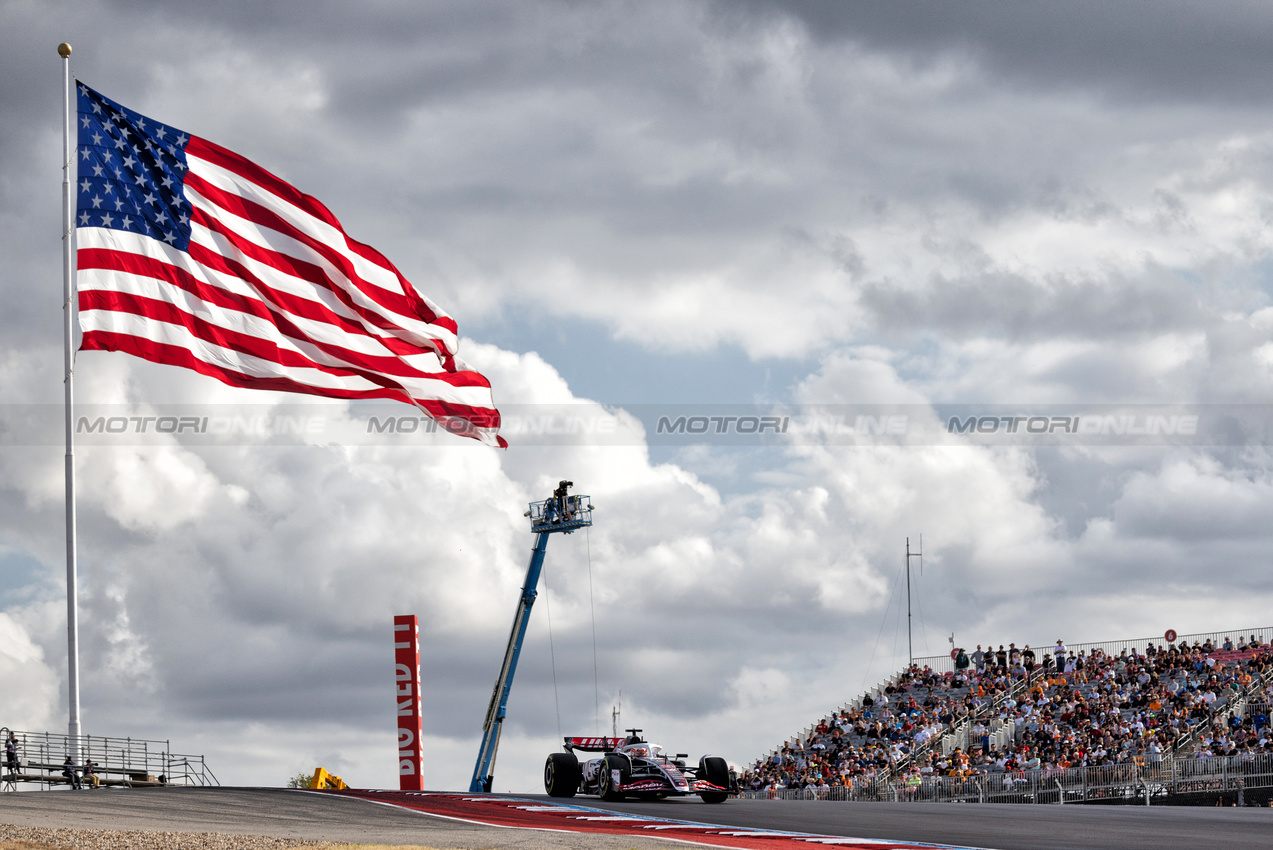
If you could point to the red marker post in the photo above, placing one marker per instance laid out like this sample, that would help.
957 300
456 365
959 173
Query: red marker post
406 656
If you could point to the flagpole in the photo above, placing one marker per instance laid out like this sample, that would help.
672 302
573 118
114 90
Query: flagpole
72 581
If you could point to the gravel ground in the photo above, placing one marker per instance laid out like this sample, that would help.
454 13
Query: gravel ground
39 838
54 838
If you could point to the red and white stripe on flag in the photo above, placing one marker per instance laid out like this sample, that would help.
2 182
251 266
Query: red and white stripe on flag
188 254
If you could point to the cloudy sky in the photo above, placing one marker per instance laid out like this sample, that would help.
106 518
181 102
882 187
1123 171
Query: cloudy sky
645 209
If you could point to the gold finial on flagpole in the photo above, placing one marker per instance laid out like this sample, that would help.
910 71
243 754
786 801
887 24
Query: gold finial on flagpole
64 50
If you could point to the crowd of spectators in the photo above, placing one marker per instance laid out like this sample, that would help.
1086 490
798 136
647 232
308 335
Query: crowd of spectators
1021 712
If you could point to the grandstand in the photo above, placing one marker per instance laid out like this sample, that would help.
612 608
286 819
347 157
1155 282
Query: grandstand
1116 721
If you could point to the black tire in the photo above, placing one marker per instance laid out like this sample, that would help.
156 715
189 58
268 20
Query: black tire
715 770
605 777
562 775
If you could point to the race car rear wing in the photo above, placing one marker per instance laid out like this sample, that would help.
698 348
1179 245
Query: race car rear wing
594 745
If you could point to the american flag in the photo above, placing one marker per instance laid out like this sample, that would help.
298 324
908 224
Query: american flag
191 255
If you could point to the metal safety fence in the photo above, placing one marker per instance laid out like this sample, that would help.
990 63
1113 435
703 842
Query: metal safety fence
150 761
944 663
1143 783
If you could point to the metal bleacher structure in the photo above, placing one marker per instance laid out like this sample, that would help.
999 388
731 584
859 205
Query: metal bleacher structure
1176 775
118 762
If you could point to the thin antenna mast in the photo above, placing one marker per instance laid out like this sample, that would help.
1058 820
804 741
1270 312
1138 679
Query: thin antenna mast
910 647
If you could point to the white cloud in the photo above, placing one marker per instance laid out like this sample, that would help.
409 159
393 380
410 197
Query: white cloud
31 684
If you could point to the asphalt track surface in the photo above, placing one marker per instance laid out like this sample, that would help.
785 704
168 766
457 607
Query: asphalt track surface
318 817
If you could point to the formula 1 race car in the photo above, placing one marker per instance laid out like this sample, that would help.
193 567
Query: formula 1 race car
633 767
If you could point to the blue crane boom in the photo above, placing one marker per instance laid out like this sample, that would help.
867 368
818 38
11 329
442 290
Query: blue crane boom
561 513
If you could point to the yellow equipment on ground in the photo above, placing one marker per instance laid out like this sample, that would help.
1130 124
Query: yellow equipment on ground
324 781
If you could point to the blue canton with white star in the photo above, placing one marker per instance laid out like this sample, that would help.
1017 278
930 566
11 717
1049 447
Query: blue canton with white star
131 172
